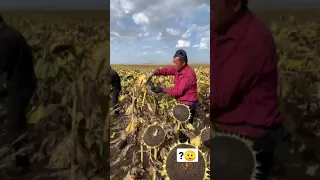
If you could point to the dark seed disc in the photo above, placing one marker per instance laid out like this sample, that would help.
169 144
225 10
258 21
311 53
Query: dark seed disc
181 112
153 136
205 136
230 159
185 171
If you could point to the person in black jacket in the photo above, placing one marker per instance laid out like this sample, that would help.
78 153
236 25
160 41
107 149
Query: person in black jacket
115 83
16 61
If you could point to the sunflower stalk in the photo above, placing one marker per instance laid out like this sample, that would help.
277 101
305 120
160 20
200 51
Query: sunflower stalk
179 127
74 134
155 151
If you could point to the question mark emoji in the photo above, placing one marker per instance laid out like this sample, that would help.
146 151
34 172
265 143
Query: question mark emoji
181 154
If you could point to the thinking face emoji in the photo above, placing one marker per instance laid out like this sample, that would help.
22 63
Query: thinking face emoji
190 155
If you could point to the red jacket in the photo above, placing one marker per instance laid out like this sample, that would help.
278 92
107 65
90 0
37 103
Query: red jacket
243 85
185 84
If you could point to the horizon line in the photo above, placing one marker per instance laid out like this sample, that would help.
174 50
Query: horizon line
152 64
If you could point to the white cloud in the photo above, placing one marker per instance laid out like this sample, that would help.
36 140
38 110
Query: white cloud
173 32
204 36
159 37
140 19
126 5
146 34
190 30
162 53
113 33
203 33
204 44
154 16
183 44
145 27
143 53
146 47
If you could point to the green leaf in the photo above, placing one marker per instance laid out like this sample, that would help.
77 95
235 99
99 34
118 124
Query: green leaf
80 86
112 135
36 114
53 71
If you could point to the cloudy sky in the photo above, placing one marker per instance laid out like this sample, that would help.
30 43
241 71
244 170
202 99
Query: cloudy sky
150 31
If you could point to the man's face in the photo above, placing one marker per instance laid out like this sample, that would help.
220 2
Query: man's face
222 12
178 64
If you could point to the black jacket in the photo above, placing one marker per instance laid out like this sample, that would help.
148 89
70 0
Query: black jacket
115 80
16 60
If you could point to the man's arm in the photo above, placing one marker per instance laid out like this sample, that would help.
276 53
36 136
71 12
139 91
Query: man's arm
166 71
237 75
26 59
184 85
112 77
3 62
117 82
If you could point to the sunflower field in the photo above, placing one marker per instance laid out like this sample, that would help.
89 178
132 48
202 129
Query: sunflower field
146 115
68 134
144 137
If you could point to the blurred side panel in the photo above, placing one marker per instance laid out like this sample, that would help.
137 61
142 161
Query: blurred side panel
67 116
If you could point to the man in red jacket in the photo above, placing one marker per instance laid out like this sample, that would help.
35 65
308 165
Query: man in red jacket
244 77
185 83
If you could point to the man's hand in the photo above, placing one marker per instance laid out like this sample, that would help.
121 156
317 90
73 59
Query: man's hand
149 83
149 76
157 89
